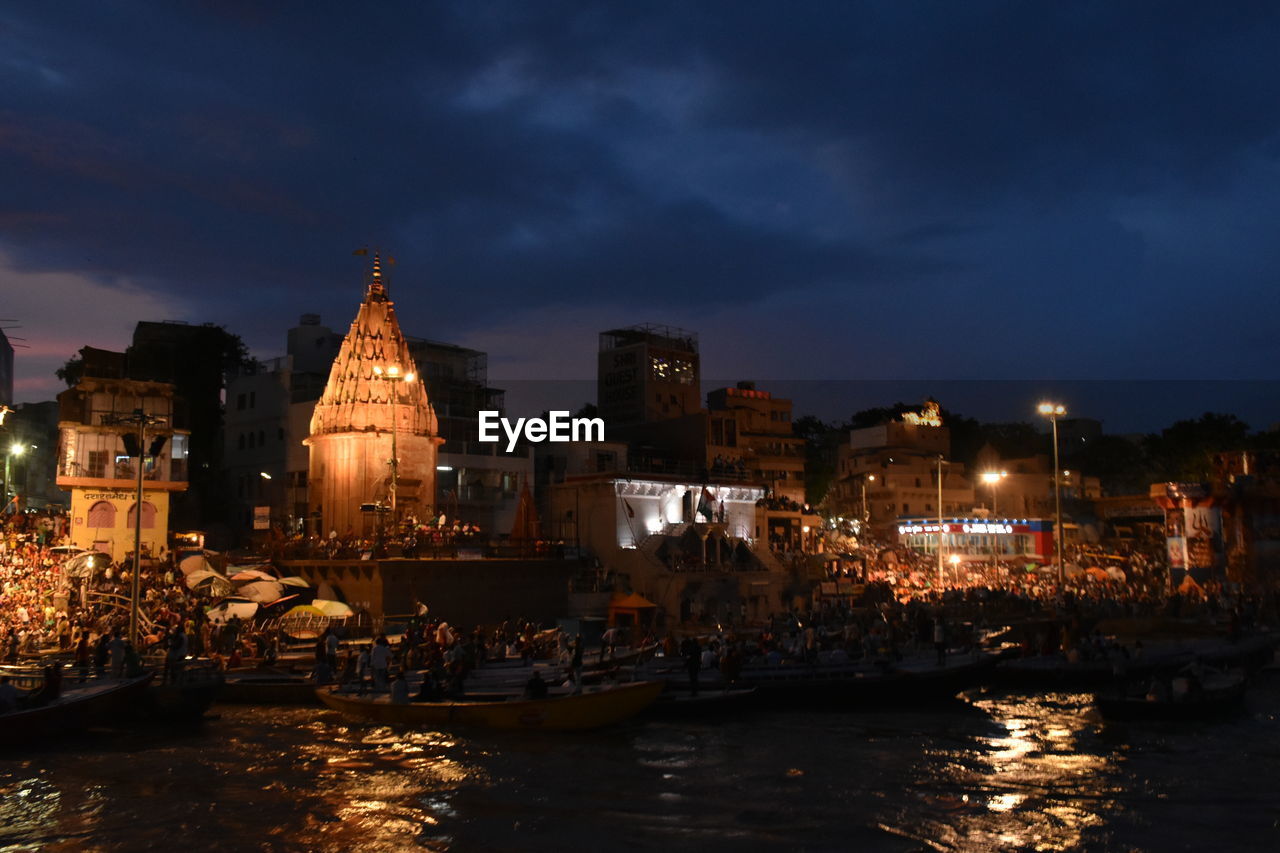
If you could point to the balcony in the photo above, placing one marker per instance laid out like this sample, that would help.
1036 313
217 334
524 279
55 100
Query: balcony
169 475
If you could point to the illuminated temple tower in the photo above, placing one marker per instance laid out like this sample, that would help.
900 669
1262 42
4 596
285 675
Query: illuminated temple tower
374 401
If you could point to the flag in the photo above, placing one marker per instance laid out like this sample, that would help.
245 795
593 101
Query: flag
705 502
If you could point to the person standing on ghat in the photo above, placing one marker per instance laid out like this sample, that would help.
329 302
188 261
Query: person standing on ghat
380 662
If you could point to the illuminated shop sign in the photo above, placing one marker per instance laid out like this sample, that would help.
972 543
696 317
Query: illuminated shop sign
973 527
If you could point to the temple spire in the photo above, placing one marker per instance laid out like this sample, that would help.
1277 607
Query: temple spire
377 287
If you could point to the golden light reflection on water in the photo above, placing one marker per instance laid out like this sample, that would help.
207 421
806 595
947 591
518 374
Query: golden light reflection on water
29 808
1035 786
384 788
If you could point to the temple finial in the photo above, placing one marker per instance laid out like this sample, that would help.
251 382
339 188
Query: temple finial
377 287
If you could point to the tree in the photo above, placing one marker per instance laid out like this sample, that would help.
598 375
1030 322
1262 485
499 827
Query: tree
1120 464
72 371
1184 452
820 442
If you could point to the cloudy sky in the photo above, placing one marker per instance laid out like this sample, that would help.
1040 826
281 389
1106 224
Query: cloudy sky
897 190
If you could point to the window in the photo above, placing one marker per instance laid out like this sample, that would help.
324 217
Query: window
240 442
97 464
253 399
240 402
148 515
262 438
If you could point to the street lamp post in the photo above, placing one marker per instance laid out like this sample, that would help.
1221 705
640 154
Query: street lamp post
142 420
941 462
1053 411
15 449
866 512
392 374
991 478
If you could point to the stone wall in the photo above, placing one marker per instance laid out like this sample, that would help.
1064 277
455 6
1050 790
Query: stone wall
464 593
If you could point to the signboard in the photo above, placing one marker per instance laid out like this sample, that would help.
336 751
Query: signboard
262 518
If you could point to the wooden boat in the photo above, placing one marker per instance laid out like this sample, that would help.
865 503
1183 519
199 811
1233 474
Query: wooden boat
719 702
1221 693
268 689
588 710
185 700
1056 672
78 706
861 685
847 684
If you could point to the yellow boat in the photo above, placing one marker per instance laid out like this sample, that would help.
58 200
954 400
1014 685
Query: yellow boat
588 710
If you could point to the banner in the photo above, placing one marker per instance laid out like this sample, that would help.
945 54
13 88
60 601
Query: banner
1203 537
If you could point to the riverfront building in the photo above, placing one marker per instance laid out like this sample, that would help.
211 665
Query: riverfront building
97 456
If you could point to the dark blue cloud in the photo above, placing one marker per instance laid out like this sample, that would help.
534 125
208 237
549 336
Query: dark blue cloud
1005 188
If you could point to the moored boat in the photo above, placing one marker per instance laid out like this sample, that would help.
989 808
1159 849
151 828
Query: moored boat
846 684
78 706
718 702
588 710
184 699
853 686
268 689
1218 693
1054 671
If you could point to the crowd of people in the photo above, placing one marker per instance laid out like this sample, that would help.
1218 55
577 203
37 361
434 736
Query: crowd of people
443 654
44 608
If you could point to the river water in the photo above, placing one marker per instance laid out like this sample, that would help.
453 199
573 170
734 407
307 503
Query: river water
992 771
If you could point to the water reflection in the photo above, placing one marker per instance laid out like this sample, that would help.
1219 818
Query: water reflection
998 772
1041 781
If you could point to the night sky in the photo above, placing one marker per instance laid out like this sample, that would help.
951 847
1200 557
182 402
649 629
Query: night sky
932 191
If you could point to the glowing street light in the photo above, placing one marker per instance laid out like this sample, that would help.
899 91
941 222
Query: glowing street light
991 478
866 510
1053 411
15 449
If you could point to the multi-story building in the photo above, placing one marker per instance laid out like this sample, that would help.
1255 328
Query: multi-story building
29 441
647 373
98 451
750 431
892 471
195 360
6 370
